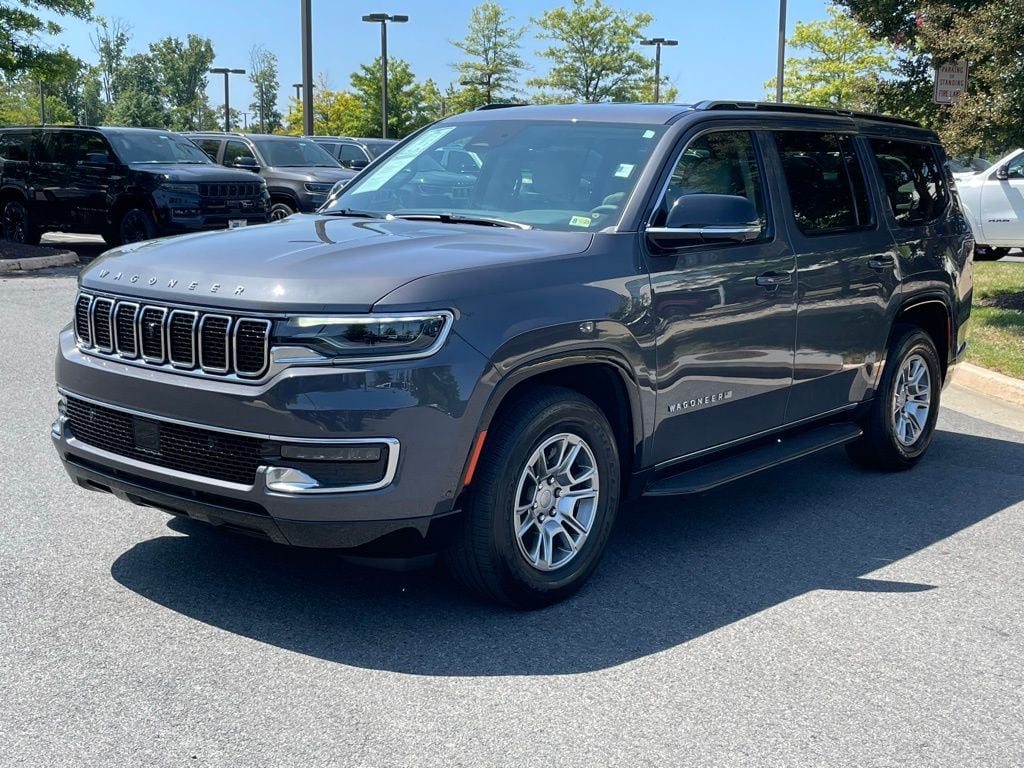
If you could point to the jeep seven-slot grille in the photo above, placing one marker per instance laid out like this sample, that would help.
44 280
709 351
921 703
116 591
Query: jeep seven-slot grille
241 189
195 340
204 452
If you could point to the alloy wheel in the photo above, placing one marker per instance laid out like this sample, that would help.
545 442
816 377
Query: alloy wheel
912 399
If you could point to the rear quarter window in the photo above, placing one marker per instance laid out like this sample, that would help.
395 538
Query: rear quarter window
913 180
15 146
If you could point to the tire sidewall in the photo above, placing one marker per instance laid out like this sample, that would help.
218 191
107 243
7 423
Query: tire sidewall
913 343
591 426
26 222
147 225
280 208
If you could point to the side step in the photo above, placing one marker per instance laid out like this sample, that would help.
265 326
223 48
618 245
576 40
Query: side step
779 451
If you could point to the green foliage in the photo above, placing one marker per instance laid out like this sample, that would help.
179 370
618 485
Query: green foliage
110 41
593 53
492 45
263 76
21 27
183 78
138 101
335 113
843 68
408 107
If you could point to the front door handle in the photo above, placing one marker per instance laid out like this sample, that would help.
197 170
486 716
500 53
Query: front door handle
888 261
774 279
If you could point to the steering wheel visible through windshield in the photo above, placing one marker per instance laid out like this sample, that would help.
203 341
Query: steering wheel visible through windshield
564 175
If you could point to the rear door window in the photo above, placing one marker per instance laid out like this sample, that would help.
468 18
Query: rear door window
914 180
91 148
825 181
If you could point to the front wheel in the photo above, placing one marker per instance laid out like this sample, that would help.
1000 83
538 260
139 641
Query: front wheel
901 423
134 226
543 501
280 211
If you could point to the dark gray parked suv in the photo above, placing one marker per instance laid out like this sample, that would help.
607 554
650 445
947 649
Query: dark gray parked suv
625 300
299 172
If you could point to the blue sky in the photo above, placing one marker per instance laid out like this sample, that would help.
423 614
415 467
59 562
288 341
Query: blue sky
726 48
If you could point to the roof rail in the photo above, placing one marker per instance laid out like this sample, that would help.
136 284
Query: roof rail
483 107
224 133
771 106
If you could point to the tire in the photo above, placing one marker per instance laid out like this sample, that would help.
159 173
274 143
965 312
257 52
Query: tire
489 556
280 211
134 226
895 438
17 224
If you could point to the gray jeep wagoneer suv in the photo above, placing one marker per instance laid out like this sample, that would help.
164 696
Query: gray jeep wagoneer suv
621 300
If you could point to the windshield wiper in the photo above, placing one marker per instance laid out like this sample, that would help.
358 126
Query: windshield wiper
458 218
354 214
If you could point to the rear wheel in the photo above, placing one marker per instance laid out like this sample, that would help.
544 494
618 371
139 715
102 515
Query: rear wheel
543 501
901 423
17 224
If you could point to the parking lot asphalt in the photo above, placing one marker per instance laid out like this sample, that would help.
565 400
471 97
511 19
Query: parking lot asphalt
817 615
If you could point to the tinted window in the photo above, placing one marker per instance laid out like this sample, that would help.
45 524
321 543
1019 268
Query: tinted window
378 147
914 181
14 146
235 149
155 147
91 148
350 152
719 163
294 153
209 146
1015 168
55 147
825 181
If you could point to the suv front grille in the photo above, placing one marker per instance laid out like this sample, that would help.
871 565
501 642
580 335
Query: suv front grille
203 452
240 189
195 340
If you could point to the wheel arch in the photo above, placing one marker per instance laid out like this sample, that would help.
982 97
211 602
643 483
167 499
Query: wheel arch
932 314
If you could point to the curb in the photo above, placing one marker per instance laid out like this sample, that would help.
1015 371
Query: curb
59 259
990 383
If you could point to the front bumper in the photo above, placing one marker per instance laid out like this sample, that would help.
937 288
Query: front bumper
429 407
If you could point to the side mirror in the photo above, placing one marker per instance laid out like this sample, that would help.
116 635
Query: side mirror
1003 172
246 164
706 218
358 165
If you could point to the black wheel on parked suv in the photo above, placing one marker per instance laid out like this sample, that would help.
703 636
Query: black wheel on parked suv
17 224
542 502
901 423
280 211
135 225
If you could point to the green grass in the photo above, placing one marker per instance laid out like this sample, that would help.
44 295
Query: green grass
997 318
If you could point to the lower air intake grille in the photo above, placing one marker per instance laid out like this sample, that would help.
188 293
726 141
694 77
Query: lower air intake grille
217 455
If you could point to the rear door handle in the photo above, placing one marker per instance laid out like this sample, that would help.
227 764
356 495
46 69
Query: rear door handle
774 279
882 262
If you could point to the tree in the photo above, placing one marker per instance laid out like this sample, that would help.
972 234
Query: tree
110 41
492 44
183 71
21 49
594 55
843 69
407 107
263 76
138 102
335 113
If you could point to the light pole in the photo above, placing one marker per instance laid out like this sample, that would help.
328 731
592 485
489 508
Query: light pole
657 42
781 64
306 19
227 106
383 19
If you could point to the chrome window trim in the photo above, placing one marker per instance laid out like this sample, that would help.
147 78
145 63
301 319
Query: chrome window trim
227 344
140 339
135 321
170 355
93 306
267 327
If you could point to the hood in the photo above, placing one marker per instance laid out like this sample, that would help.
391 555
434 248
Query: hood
312 173
194 173
313 263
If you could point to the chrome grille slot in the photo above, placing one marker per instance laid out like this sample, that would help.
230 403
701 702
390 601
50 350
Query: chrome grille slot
125 317
189 341
181 338
251 340
83 329
102 312
214 333
151 334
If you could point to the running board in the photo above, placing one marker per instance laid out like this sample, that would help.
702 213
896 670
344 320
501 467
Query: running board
708 476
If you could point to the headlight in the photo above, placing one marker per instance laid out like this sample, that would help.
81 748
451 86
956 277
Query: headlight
319 187
367 337
181 189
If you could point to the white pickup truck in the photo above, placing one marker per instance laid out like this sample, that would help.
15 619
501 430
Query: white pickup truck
994 201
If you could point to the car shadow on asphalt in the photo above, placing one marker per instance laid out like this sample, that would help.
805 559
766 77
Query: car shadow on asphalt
674 570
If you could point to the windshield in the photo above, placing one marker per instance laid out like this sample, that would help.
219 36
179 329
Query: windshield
294 153
567 176
155 147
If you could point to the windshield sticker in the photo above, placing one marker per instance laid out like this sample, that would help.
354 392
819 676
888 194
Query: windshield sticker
624 170
648 134
394 164
579 221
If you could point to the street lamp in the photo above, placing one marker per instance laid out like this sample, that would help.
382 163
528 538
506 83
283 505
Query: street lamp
781 64
298 91
227 107
383 19
657 42
306 23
